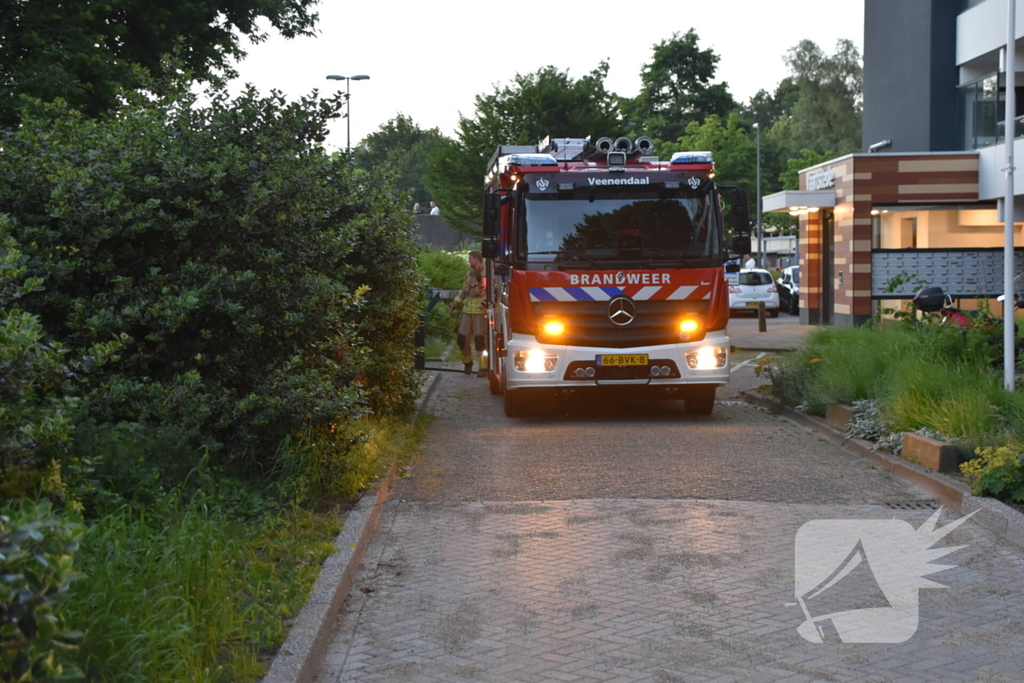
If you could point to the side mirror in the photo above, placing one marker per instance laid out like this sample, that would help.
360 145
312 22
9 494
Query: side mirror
492 214
740 244
740 212
490 249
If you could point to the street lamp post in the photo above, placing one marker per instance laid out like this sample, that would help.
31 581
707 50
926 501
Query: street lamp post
760 232
348 104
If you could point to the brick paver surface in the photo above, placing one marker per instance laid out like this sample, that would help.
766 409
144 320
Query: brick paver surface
625 543
646 590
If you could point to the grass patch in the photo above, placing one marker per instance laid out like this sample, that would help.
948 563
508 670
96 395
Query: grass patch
435 347
193 589
937 380
923 377
186 592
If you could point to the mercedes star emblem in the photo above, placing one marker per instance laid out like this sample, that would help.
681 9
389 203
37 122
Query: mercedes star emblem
621 310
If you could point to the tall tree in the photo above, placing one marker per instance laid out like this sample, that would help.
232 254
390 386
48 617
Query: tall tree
766 108
735 153
677 88
82 51
546 102
826 114
404 147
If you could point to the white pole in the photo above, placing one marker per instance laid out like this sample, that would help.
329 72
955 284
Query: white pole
760 232
1009 130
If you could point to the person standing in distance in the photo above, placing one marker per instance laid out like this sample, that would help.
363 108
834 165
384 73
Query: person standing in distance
749 262
472 318
416 210
435 210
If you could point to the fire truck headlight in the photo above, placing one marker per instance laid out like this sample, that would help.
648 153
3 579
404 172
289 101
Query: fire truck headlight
535 360
554 328
706 358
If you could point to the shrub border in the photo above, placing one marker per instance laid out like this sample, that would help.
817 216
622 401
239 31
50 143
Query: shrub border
301 654
1004 521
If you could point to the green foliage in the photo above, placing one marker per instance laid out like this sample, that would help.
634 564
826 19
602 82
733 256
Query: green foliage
997 472
312 469
870 424
241 273
922 376
735 152
402 147
34 411
546 102
677 89
790 179
131 461
184 591
443 269
83 52
826 112
37 551
766 108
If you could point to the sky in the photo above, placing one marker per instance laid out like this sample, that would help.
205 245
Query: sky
429 60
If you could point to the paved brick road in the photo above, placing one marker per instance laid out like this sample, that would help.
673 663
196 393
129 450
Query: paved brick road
622 543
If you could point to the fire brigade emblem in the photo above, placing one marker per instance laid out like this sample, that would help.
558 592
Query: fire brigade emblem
542 184
621 310
693 182
620 278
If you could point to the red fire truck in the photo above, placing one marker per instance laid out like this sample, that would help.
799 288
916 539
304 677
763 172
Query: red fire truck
605 271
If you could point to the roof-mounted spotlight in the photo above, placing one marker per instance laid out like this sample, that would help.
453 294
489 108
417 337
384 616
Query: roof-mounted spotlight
879 146
616 161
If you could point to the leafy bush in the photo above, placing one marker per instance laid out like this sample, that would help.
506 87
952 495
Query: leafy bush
255 285
444 270
36 568
34 413
867 423
441 322
997 472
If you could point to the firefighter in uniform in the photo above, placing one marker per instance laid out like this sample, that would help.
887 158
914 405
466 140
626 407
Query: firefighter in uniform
472 318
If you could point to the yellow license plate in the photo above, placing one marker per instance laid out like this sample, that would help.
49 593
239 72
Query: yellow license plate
620 360
752 303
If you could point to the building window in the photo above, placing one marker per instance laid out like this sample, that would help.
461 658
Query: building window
982 110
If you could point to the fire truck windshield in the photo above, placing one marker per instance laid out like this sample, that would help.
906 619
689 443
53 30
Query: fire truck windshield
641 227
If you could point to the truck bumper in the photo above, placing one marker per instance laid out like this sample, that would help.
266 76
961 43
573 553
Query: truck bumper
570 358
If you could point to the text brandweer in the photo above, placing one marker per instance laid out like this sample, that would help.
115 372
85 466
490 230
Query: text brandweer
621 279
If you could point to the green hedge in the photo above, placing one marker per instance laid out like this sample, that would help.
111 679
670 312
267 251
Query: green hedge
246 283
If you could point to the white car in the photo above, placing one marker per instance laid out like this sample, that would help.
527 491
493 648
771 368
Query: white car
751 286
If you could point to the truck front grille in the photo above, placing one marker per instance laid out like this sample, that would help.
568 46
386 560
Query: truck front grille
587 323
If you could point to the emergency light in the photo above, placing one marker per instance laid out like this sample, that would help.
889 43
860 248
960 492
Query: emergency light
692 158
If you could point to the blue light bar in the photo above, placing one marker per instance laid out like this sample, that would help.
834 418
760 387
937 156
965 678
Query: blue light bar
692 158
530 160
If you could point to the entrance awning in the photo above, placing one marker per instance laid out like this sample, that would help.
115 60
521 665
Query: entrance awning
792 200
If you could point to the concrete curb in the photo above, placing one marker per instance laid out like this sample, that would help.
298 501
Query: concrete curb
302 652
997 517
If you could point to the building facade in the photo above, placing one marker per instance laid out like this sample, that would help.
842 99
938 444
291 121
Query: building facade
926 209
